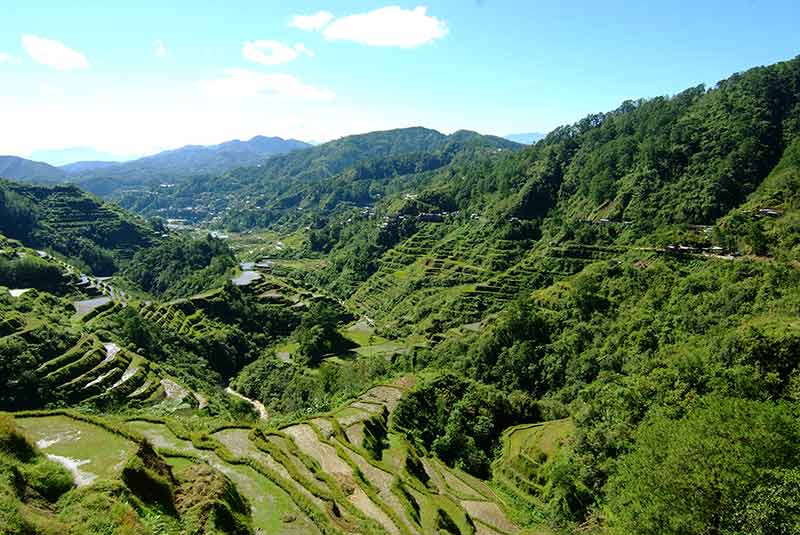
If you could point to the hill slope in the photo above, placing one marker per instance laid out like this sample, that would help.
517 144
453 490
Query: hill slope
350 170
16 168
72 223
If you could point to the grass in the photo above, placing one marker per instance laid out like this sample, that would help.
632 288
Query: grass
179 463
526 448
270 506
382 349
362 334
288 347
545 437
265 243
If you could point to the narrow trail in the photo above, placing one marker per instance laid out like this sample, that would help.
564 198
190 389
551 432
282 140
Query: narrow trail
262 410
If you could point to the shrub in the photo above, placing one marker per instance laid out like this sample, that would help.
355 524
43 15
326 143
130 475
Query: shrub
13 442
48 478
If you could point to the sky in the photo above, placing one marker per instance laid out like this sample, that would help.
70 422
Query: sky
132 78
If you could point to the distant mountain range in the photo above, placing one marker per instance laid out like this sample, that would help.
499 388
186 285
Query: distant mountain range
526 139
62 157
86 165
18 168
179 164
102 177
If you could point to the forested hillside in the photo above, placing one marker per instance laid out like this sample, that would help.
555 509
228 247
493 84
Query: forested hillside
634 272
68 221
354 170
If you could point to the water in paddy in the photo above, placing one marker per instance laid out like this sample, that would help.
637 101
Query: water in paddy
89 452
272 509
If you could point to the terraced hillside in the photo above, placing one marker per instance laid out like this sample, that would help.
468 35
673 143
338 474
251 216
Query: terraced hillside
465 270
73 223
340 472
53 345
86 369
69 473
519 472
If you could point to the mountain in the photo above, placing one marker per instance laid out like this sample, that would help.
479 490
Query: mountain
79 167
526 139
16 168
179 164
352 169
62 157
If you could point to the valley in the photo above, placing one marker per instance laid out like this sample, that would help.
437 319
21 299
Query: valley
409 332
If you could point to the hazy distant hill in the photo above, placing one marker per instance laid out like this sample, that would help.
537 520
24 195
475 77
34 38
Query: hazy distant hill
177 164
84 166
62 157
105 177
526 139
17 168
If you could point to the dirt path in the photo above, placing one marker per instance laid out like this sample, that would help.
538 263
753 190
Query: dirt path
257 405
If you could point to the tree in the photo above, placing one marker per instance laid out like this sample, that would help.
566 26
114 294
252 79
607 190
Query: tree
694 475
318 335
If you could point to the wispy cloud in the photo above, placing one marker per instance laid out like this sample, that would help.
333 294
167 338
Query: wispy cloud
311 23
8 58
243 83
268 52
159 48
388 26
53 53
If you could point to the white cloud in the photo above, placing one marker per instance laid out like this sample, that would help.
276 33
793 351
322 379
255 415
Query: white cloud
142 118
53 53
160 49
388 26
311 23
268 52
243 83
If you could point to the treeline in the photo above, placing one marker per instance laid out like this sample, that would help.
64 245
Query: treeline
30 272
181 266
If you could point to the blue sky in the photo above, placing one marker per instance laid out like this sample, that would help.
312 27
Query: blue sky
137 77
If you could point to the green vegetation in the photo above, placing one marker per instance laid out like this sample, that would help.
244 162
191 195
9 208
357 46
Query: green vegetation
318 335
181 267
64 219
123 485
354 170
461 420
711 471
